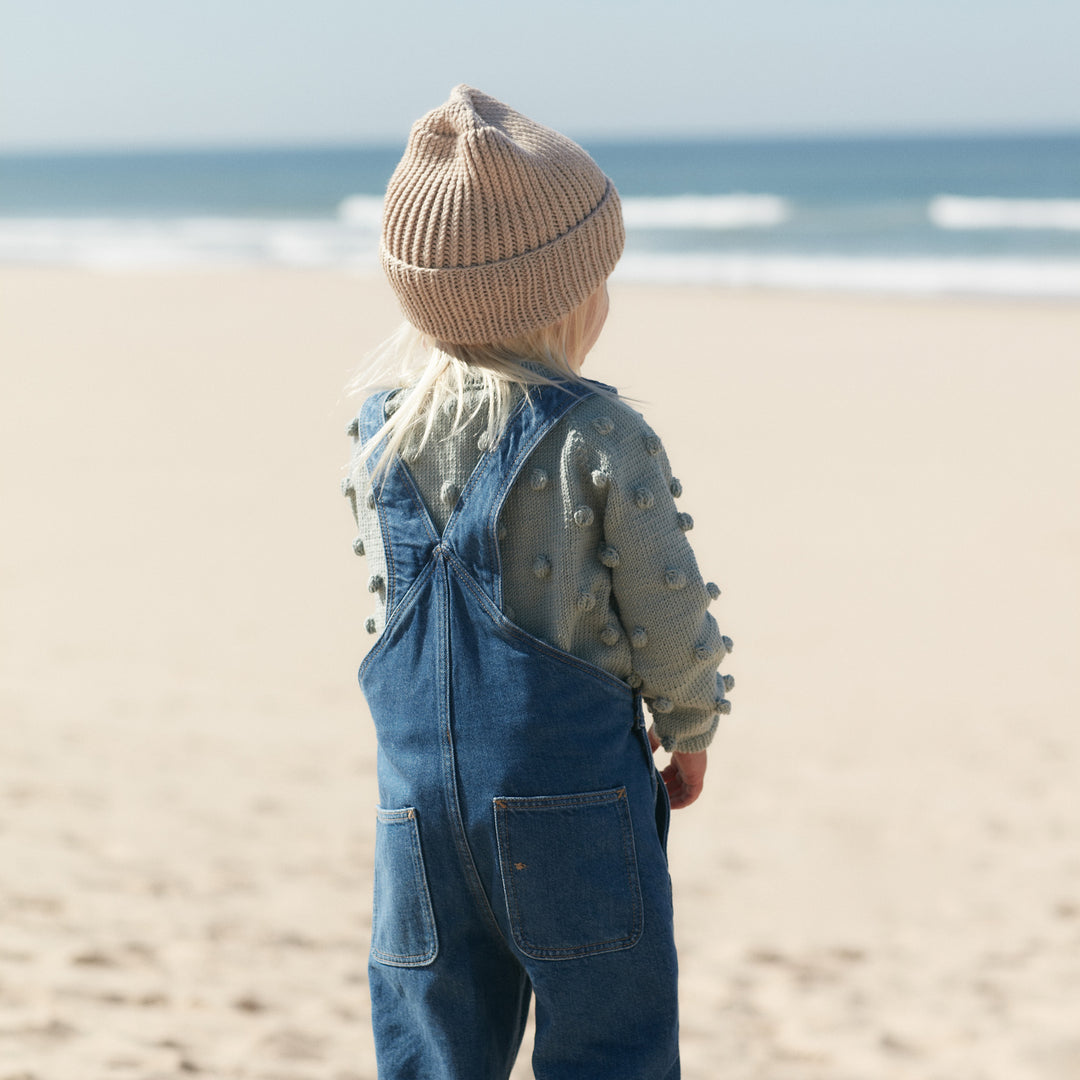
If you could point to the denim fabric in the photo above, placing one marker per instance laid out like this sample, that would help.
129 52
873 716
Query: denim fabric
402 922
569 873
520 841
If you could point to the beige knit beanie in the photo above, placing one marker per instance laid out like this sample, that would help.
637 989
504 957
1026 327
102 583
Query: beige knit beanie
494 225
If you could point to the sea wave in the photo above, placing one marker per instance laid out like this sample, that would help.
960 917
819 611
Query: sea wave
164 243
673 212
706 212
149 243
362 210
961 212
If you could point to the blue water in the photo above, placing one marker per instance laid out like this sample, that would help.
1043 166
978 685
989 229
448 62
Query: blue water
975 214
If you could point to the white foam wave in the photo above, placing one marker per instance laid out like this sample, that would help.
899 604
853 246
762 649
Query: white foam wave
363 210
122 243
958 212
706 212
1059 278
673 212
128 244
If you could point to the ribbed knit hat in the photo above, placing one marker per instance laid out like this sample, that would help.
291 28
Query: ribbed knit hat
494 225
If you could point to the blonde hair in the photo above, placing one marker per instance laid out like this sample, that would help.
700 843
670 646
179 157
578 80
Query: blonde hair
432 373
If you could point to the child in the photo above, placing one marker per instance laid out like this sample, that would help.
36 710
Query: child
533 584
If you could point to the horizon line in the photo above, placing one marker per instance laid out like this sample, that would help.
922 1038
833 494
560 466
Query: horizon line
244 145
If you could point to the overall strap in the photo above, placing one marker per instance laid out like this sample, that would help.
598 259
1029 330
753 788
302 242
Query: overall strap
471 532
408 534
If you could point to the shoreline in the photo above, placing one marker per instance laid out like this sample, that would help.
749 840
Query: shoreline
373 277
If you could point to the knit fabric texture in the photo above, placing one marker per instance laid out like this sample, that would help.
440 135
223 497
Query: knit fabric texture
595 558
494 225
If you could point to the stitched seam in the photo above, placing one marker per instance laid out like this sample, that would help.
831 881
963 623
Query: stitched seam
580 950
425 520
450 791
388 548
398 468
401 817
541 952
399 613
463 575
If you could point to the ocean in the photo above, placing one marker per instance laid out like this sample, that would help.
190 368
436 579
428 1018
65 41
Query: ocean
976 214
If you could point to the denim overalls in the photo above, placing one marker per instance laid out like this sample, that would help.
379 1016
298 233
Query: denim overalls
520 837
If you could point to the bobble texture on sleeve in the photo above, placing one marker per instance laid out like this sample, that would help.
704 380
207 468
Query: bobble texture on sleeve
659 592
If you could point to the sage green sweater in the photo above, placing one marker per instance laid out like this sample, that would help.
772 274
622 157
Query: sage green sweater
595 559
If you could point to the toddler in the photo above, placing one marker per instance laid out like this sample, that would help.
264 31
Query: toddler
533 586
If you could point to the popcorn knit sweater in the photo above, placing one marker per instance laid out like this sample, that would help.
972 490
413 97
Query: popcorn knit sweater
595 559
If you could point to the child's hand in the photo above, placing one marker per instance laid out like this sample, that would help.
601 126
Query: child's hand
684 777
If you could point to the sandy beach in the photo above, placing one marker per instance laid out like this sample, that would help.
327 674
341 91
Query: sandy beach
882 879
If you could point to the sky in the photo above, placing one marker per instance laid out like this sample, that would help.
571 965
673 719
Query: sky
84 74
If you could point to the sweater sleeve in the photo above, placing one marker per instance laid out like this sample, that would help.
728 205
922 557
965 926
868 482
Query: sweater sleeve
660 595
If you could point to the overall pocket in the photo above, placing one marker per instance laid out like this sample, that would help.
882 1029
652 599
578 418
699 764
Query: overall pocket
402 922
569 873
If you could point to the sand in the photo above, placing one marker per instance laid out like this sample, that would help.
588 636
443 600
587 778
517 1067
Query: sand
882 879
